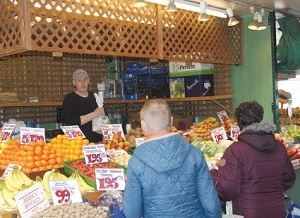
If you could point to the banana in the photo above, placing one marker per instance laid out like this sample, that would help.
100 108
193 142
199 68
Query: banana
47 194
8 197
83 186
24 179
3 205
12 184
59 176
46 178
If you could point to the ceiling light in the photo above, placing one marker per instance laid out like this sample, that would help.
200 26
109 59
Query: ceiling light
253 24
192 6
203 16
171 7
260 24
232 20
139 3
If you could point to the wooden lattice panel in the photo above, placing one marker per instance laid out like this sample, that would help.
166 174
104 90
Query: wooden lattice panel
213 41
97 27
12 31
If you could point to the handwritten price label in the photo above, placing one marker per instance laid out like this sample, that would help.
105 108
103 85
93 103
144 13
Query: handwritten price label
9 169
109 130
95 154
219 134
110 179
65 191
222 116
31 134
72 131
6 131
31 200
234 132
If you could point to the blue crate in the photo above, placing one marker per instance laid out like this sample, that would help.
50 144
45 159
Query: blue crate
126 76
144 71
133 66
159 71
130 96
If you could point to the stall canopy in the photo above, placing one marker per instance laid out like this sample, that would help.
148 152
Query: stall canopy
288 48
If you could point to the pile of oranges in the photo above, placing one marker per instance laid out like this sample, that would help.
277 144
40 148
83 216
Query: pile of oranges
35 156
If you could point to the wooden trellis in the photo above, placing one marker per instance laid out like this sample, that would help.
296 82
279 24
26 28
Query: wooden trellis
114 27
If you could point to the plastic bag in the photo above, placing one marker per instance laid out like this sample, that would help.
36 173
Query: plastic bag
98 121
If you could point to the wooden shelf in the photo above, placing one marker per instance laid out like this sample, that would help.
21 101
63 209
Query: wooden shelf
115 101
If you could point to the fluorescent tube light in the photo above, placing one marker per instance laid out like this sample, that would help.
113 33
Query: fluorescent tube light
192 6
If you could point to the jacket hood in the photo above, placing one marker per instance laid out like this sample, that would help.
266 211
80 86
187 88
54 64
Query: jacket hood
259 136
164 153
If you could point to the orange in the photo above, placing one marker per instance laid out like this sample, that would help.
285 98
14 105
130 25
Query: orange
37 163
52 161
59 160
45 157
44 163
52 156
30 165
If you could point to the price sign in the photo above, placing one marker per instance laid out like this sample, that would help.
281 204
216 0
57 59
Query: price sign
110 179
219 134
6 131
65 191
94 154
139 141
222 116
108 130
72 131
9 169
31 134
31 200
234 132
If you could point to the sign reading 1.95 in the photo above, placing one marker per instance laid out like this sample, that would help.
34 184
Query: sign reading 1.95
31 134
110 179
6 131
94 154
72 131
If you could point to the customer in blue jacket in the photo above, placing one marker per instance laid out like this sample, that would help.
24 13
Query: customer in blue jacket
167 176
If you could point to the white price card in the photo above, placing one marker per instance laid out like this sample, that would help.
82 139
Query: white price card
6 131
222 116
65 191
109 130
9 169
219 134
28 134
31 200
94 154
72 131
139 141
234 132
110 179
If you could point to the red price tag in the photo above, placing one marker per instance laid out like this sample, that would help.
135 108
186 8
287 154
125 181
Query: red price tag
234 132
4 136
219 134
93 158
94 154
108 183
109 130
6 132
218 137
26 138
31 135
72 131
63 196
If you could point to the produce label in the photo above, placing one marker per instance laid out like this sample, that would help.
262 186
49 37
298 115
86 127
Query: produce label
219 134
9 169
72 131
109 130
65 191
31 200
31 134
110 179
222 116
234 132
94 154
6 131
296 163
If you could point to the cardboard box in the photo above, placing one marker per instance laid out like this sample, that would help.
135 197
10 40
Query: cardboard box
177 89
199 85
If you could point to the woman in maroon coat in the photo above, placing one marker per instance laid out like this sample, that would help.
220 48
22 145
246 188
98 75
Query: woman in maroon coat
255 171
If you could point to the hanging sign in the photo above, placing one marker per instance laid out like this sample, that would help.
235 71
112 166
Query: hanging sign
94 154
109 130
72 132
219 134
28 134
65 191
31 200
110 179
6 131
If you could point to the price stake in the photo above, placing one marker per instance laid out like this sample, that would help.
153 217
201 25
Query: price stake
109 130
65 191
72 131
31 134
219 134
9 169
222 116
94 154
31 200
6 131
234 132
110 179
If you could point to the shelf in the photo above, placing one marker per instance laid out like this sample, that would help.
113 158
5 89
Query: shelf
120 101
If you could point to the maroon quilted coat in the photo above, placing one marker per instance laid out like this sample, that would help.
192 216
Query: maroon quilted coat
254 173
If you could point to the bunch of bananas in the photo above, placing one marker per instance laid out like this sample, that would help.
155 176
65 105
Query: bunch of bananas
83 186
14 182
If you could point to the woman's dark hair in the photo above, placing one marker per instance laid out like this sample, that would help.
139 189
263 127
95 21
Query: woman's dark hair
249 112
